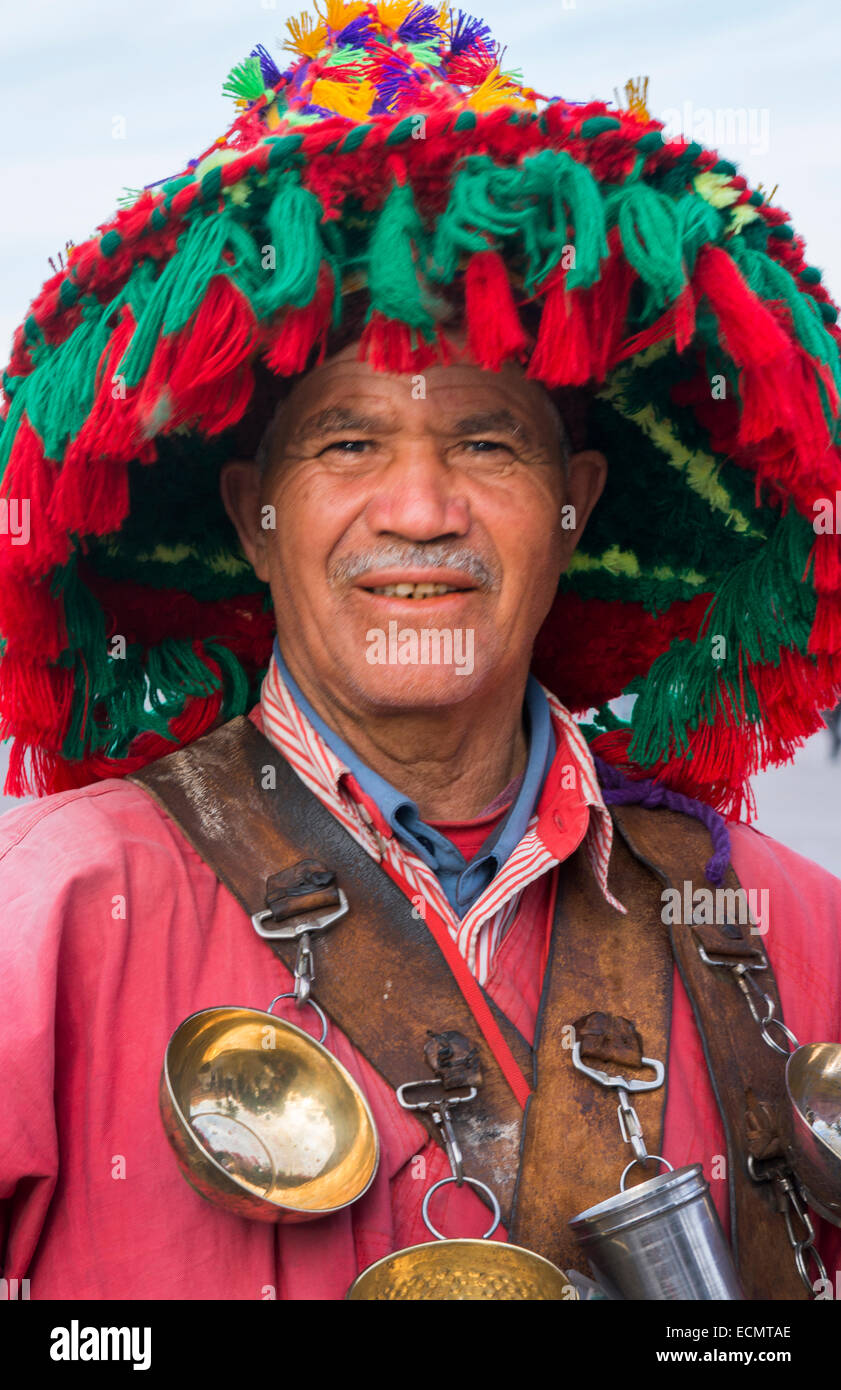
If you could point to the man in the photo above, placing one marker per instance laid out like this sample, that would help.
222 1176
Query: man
415 482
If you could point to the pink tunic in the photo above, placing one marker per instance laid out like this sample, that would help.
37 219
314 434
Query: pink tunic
114 930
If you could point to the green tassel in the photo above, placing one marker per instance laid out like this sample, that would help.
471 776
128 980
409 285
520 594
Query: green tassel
235 680
543 201
650 229
9 426
770 280
573 196
182 284
64 382
699 224
245 80
760 608
293 225
393 284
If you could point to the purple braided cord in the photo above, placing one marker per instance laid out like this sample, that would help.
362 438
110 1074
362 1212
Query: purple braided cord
621 791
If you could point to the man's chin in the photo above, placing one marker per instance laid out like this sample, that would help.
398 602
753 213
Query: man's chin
406 688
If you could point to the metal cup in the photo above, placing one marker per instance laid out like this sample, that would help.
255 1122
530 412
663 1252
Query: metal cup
659 1240
813 1082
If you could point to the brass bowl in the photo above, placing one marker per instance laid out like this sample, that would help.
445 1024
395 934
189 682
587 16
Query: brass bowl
813 1082
264 1121
485 1271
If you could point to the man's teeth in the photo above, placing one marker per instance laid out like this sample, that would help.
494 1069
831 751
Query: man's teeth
414 590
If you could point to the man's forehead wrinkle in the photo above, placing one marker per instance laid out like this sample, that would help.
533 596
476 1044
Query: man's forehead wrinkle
339 417
490 420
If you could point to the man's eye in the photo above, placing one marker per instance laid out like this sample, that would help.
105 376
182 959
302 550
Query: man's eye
346 446
487 446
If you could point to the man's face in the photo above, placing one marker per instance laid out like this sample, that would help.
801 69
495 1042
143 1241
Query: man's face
413 513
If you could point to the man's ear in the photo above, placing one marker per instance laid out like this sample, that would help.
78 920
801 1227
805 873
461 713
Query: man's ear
239 485
586 477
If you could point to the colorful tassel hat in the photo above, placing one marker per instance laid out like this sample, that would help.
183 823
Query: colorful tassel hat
395 163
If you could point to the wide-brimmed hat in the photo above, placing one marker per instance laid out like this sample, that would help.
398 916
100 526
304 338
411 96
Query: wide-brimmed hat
395 163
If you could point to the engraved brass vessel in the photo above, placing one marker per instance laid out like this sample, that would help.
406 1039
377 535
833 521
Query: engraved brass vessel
264 1121
464 1270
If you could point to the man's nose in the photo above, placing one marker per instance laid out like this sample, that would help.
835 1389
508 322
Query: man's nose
418 496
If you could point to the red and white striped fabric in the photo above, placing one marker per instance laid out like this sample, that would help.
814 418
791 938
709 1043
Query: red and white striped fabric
483 927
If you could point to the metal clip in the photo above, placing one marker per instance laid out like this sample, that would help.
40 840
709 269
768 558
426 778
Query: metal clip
439 1112
293 931
755 996
629 1121
620 1082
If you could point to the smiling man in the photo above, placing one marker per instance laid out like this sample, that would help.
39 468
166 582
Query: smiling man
448 509
413 353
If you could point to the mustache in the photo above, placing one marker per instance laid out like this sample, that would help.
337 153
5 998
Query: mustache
431 555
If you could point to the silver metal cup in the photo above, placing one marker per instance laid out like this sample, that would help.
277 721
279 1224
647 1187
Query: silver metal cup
659 1240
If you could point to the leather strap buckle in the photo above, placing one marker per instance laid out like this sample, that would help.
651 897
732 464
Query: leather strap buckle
291 931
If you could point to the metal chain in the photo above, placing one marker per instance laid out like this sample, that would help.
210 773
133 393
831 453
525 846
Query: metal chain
793 1208
629 1124
790 1198
304 970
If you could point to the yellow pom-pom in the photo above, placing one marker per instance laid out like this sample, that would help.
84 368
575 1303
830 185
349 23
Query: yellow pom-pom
393 12
636 97
337 13
306 38
351 99
497 89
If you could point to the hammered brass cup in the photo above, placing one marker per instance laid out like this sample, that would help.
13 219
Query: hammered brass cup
264 1121
476 1271
813 1082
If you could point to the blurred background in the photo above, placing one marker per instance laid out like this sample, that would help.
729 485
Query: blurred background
97 97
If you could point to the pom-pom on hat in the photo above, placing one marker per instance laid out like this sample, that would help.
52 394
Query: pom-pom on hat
390 159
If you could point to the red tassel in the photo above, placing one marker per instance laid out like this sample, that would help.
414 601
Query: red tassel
494 331
198 375
112 430
825 636
388 345
301 329
92 499
750 332
606 307
561 355
35 701
31 619
684 308
28 486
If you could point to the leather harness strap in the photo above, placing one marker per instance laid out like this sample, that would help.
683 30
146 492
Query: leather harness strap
747 1076
384 982
382 979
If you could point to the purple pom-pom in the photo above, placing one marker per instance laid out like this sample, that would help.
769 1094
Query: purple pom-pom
467 31
420 24
355 34
268 66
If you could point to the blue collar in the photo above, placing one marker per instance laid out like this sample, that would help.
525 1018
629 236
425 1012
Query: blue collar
462 883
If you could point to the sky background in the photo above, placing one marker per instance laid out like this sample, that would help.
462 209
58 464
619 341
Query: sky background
74 74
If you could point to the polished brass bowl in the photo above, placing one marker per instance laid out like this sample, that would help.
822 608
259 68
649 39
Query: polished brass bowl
813 1082
476 1271
264 1121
